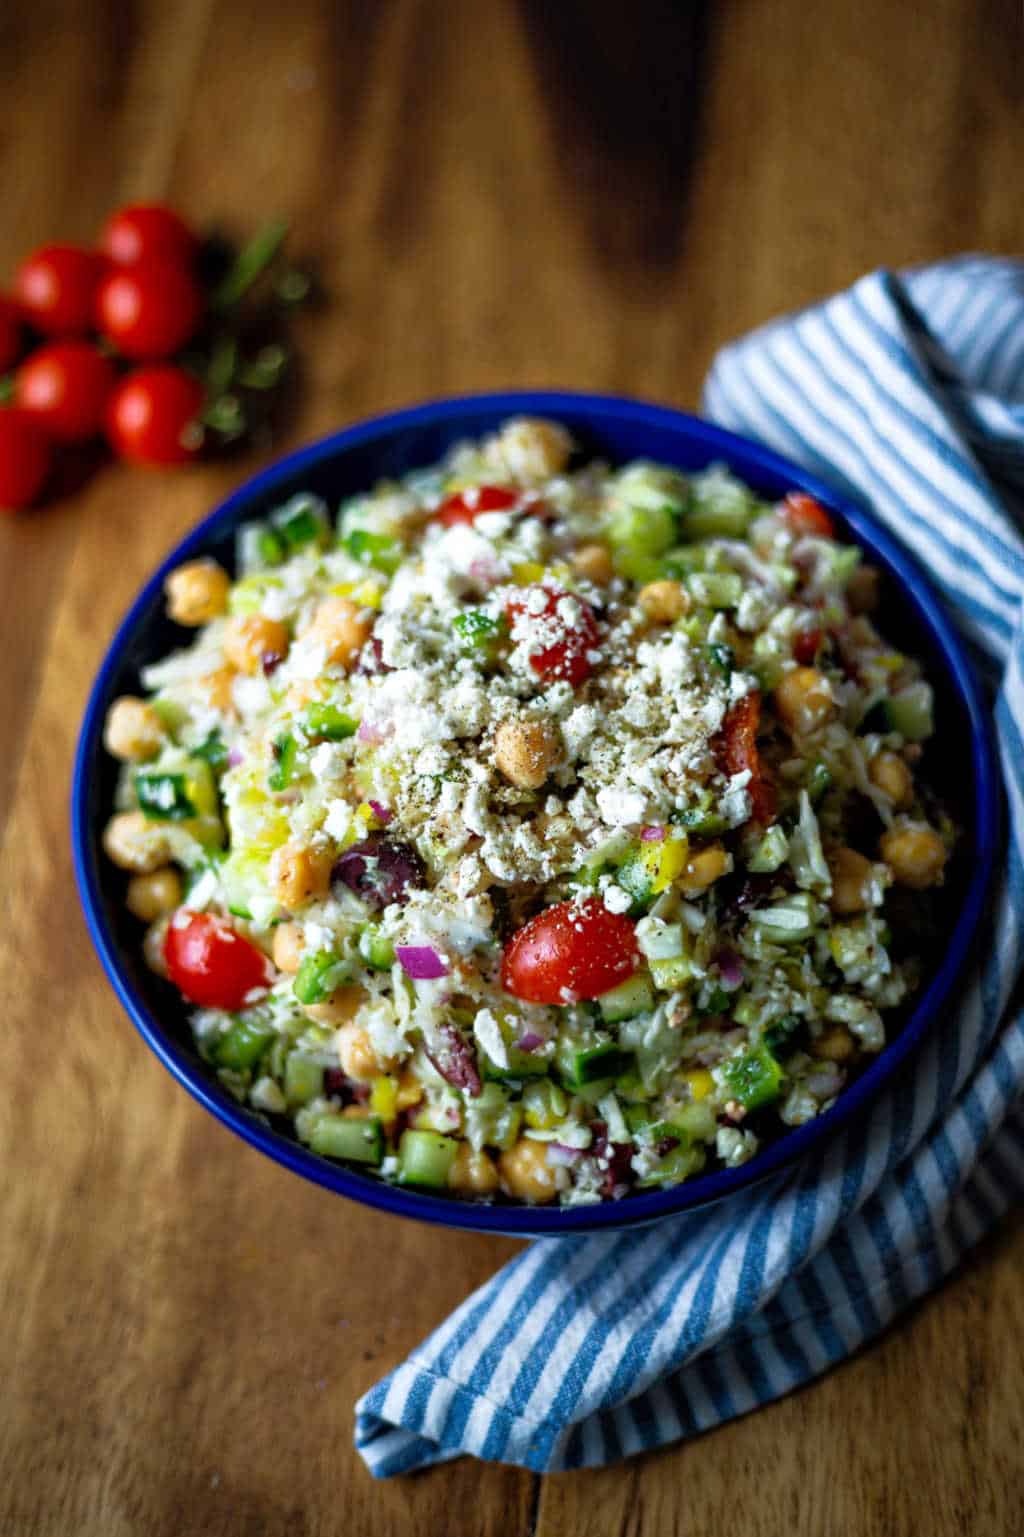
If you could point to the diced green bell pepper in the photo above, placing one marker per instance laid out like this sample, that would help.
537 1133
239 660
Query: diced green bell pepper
754 1078
244 1042
319 975
285 751
327 723
376 949
377 550
715 589
164 797
301 521
580 1066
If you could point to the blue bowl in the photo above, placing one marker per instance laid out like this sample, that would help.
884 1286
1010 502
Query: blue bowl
616 430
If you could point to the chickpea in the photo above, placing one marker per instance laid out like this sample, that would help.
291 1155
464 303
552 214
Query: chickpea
343 628
356 1053
804 700
249 641
287 947
302 874
834 1045
197 592
133 731
664 602
532 449
593 563
891 775
850 875
526 1173
339 1009
916 855
703 868
132 842
150 896
217 687
410 1091
525 751
862 590
153 945
474 1172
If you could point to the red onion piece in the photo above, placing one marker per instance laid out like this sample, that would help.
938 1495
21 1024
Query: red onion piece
652 835
562 1156
421 962
369 733
529 1042
234 758
730 970
382 813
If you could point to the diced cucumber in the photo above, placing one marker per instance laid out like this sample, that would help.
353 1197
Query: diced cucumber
679 1164
702 821
339 1136
658 941
245 881
544 1104
377 550
319 975
426 1158
496 1116
521 1064
301 521
789 921
771 853
912 712
376 949
164 798
636 878
715 589
643 530
285 752
717 522
327 723
778 1036
634 996
244 1042
213 751
303 1079
754 1078
670 975
583 1065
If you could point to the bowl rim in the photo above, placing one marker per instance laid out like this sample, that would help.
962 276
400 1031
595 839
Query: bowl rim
747 458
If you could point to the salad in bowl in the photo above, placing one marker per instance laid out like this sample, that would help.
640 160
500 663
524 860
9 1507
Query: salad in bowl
532 828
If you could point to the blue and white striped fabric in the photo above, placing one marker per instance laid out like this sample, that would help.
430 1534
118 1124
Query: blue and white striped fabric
907 391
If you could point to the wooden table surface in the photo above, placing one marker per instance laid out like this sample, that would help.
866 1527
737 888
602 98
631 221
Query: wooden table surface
504 193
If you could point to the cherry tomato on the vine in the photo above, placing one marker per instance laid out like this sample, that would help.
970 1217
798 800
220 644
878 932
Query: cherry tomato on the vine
10 333
738 753
466 506
25 457
804 515
565 633
64 386
569 952
152 416
212 964
150 310
148 232
56 288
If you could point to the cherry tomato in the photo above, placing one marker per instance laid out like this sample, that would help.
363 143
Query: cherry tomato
56 288
152 416
569 952
65 386
146 232
805 646
466 506
10 333
212 964
563 639
737 752
150 310
803 515
25 457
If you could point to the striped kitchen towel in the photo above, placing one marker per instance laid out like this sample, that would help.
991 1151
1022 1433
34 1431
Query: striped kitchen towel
906 391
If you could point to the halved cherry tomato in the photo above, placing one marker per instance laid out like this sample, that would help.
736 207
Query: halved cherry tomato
564 636
64 386
805 646
10 333
152 416
25 457
212 964
149 310
56 288
736 749
569 952
804 515
148 231
466 506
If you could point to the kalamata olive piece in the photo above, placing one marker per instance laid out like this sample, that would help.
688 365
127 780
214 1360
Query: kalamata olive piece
455 1060
379 870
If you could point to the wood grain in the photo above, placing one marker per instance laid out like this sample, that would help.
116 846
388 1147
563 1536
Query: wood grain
501 194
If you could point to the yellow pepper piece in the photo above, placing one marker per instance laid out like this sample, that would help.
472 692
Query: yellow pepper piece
366 594
526 572
384 1098
666 860
701 1083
